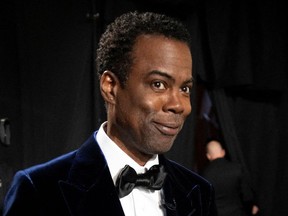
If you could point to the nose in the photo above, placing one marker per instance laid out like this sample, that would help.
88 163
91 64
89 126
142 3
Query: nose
177 103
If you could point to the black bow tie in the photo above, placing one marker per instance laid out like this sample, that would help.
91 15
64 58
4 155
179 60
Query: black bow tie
128 179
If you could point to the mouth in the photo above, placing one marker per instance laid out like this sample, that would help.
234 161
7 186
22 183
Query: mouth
168 129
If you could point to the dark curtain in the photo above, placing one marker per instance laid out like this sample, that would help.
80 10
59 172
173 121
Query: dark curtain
48 86
251 130
244 68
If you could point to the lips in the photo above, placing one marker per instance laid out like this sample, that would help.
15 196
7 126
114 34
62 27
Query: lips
168 129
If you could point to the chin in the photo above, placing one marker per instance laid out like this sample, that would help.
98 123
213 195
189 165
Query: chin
163 148
158 144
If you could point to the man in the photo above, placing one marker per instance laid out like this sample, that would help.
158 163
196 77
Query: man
232 192
145 69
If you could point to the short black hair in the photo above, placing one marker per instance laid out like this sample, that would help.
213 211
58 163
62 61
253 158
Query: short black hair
116 43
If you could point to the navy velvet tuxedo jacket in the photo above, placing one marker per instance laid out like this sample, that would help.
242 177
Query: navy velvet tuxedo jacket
79 183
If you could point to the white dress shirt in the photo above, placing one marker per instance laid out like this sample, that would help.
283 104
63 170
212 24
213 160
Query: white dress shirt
140 202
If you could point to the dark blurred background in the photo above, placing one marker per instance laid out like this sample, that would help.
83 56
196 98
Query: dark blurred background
50 103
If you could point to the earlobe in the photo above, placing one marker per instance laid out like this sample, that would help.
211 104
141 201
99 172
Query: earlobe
108 84
208 156
223 153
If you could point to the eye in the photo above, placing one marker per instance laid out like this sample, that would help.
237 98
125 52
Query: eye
158 85
186 89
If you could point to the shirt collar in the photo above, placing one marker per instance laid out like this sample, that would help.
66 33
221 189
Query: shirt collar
116 158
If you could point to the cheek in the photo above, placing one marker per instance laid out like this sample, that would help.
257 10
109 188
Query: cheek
136 108
188 108
152 103
144 100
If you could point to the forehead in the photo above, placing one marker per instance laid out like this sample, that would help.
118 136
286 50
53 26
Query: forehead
146 43
157 52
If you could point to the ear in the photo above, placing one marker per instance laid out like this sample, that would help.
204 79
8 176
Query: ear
208 156
223 152
108 86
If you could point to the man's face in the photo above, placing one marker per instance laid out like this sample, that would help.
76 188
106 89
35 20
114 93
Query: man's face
150 110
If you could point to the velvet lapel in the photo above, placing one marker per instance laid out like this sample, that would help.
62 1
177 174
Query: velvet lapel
182 197
89 188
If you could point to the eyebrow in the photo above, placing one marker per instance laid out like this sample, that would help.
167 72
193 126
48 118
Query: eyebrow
164 74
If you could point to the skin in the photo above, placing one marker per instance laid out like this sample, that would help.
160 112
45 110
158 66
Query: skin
214 150
145 116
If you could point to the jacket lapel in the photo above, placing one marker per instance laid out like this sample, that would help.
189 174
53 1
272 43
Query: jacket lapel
180 199
184 203
89 188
